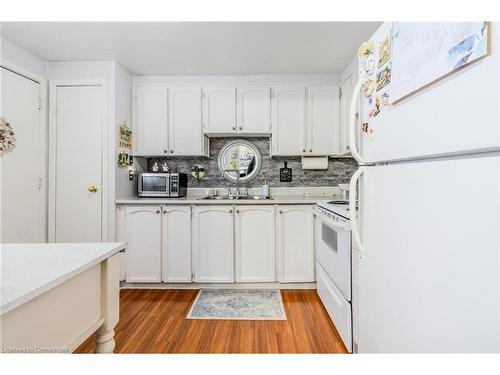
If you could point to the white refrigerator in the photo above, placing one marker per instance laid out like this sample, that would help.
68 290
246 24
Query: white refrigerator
428 189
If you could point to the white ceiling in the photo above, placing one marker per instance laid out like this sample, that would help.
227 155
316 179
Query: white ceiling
192 48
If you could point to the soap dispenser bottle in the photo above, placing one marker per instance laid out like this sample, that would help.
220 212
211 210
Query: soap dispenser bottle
265 189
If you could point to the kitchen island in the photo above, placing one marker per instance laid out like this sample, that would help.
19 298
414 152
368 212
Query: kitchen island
54 296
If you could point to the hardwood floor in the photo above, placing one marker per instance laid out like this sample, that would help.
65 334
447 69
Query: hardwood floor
153 321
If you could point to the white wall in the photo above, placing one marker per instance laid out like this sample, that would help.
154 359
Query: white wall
123 95
24 59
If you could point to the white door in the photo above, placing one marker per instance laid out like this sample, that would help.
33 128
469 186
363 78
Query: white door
184 121
213 244
78 178
428 275
254 110
288 118
323 120
219 110
255 244
295 243
150 120
23 209
176 244
143 234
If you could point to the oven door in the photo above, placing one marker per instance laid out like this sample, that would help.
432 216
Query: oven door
154 185
333 250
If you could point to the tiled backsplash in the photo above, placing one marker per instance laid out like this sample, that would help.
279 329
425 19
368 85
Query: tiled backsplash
339 170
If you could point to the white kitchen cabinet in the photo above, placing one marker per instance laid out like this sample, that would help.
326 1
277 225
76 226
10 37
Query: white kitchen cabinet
213 252
253 110
295 244
255 243
143 234
150 120
347 90
288 118
219 110
323 120
185 134
176 244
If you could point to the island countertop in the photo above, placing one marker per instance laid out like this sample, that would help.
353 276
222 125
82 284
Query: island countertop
29 270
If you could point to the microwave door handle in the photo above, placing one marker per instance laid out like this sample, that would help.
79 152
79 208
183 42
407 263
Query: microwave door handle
352 209
332 223
352 121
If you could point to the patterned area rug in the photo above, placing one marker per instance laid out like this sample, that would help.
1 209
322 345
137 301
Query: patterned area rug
238 304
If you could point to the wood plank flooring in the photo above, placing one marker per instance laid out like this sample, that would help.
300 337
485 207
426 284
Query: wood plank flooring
154 321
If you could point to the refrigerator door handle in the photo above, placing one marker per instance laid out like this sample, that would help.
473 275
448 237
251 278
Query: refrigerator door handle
352 121
352 209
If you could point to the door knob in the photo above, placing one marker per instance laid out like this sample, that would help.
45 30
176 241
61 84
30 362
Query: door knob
92 189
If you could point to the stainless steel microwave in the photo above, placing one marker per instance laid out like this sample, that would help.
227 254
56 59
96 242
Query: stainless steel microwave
166 185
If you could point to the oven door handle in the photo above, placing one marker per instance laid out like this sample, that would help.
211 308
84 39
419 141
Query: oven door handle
331 223
352 209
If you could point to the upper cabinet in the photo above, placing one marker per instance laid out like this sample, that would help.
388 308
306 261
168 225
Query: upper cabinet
288 117
185 135
305 121
302 120
150 122
168 121
219 110
323 131
253 109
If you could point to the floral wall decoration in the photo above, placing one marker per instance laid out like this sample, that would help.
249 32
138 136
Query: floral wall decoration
7 138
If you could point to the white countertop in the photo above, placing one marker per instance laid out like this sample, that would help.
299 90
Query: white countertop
289 199
29 270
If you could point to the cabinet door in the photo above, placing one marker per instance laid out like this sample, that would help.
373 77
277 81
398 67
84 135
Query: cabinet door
295 243
184 121
323 120
254 110
347 89
213 244
255 244
176 244
219 110
288 118
143 235
150 120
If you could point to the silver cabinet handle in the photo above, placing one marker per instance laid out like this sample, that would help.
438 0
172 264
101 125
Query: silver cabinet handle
237 211
164 211
303 150
310 150
171 151
165 151
157 211
230 211
281 211
234 127
241 127
348 147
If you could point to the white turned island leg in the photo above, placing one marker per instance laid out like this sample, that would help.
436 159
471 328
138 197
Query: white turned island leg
110 304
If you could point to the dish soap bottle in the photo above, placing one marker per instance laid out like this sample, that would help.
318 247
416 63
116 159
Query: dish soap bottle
265 189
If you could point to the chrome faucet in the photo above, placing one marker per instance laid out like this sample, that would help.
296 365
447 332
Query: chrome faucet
238 175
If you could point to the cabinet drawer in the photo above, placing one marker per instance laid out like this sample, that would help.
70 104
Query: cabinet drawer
338 308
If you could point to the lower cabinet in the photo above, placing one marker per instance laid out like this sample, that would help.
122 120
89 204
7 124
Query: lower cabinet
176 244
143 234
213 254
295 244
255 244
159 243
218 243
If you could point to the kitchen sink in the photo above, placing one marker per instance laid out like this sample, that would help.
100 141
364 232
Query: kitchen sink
248 197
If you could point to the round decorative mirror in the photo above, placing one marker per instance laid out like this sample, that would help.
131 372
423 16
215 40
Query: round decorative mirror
239 160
